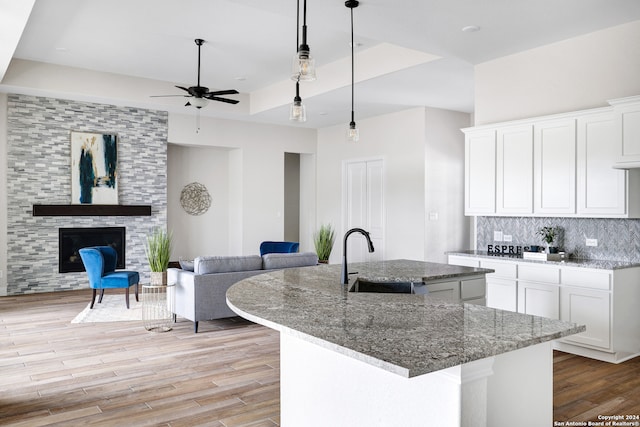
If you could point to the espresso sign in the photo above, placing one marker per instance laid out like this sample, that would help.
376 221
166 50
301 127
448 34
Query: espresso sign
504 249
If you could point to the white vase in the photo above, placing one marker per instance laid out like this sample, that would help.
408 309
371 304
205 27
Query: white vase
159 278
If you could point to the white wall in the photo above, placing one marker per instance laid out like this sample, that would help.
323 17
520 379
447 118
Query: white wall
256 177
206 234
578 73
446 227
423 150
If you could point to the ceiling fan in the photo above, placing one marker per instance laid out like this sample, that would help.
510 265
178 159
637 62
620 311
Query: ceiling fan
200 95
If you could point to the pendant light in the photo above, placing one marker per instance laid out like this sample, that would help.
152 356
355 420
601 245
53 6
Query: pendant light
304 65
297 112
353 134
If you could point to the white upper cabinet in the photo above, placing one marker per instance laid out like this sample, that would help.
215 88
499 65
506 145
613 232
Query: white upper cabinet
602 190
555 167
580 164
480 173
514 168
627 116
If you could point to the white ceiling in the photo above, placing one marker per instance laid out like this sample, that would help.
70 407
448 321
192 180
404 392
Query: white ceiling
255 40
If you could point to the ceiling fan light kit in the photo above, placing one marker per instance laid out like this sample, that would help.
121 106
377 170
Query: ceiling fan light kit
199 96
353 134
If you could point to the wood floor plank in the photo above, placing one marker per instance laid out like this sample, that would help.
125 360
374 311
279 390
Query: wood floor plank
55 373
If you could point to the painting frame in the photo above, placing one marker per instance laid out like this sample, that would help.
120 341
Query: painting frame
94 168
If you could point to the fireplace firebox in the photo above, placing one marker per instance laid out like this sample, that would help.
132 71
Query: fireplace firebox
70 240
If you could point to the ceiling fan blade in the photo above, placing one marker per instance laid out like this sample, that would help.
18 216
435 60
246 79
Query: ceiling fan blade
183 88
228 101
223 92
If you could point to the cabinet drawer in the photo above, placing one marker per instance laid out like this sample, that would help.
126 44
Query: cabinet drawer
502 269
449 291
471 289
539 274
464 261
586 278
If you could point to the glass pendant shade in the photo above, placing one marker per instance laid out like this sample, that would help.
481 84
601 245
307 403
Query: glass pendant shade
303 67
199 102
353 134
297 112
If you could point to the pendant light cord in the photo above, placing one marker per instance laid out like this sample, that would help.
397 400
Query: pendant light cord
304 24
298 26
352 66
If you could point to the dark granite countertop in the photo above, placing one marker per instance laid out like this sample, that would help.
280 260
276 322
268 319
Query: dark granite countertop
406 334
570 262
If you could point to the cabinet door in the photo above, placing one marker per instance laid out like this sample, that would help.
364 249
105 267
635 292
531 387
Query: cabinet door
502 294
591 308
514 169
539 299
480 172
628 129
601 189
555 167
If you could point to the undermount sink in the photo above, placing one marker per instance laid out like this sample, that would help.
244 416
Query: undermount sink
361 285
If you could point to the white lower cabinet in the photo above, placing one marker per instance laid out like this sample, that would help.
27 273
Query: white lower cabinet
538 299
605 301
502 294
591 308
502 287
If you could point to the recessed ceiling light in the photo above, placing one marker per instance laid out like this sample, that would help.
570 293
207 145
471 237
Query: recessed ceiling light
470 29
323 113
241 78
61 49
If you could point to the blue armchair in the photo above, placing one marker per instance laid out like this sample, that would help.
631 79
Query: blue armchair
100 263
278 247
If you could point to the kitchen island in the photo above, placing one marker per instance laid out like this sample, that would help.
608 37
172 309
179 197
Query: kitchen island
399 359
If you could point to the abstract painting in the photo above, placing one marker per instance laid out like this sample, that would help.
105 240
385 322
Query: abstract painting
94 160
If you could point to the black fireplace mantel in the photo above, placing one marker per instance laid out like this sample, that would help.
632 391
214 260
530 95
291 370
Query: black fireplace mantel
91 210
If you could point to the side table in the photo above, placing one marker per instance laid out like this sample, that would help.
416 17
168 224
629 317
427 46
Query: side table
158 307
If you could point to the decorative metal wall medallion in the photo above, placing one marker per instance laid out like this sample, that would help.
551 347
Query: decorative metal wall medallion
195 199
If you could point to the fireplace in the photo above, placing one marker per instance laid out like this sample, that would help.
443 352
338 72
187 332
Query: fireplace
70 240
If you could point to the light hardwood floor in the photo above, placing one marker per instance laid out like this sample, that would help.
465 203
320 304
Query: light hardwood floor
107 374
54 373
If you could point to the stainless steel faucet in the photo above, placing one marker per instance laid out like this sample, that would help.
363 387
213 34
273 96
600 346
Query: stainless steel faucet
344 275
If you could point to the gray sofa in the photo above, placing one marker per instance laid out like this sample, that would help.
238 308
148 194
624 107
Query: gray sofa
201 294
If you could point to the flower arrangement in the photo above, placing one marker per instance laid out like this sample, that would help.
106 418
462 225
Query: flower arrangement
548 234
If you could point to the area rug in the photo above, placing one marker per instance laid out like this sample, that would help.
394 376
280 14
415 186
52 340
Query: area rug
112 309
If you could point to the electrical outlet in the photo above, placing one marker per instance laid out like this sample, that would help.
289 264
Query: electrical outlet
497 236
592 242
507 238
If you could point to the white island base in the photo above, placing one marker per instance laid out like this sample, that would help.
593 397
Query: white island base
321 387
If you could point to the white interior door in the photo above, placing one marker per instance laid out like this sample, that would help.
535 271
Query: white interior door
363 207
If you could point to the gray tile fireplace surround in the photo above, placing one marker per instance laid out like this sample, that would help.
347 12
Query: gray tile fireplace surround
618 239
39 172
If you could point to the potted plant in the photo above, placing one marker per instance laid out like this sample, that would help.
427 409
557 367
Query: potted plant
549 235
323 241
158 250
